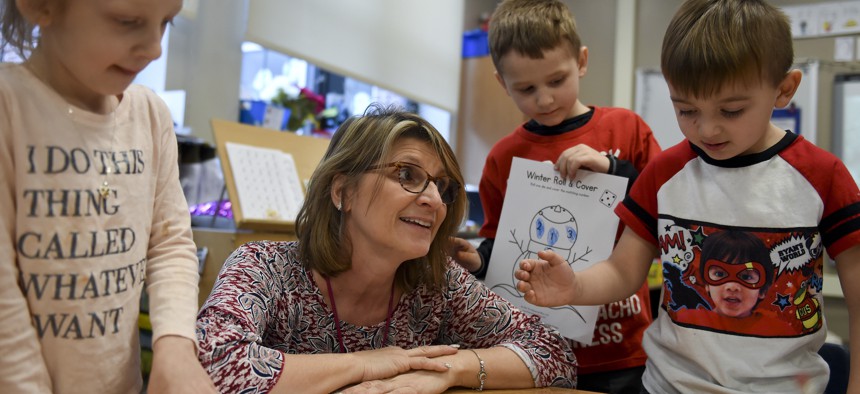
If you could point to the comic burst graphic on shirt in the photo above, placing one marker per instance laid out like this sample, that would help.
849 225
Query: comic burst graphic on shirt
742 281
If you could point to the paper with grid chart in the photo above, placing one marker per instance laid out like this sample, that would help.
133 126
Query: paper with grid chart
267 182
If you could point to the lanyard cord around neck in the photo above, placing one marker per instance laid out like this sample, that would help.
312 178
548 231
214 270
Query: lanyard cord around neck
337 320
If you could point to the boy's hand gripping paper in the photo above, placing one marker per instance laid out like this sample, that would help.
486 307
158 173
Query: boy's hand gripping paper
575 218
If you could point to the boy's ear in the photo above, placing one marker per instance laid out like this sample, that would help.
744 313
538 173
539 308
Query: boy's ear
787 88
37 12
501 81
583 61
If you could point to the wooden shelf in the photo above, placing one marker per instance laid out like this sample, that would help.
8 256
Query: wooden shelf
220 244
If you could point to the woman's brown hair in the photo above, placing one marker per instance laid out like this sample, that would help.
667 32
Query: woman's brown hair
359 144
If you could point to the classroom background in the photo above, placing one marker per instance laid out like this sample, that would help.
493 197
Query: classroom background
302 66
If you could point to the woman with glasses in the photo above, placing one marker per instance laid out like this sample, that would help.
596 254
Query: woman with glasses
367 298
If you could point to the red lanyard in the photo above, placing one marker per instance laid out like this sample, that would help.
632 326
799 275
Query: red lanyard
337 320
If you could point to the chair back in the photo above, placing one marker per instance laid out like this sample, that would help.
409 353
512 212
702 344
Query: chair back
838 358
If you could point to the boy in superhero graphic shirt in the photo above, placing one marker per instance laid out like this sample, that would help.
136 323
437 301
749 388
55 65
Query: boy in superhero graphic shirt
728 64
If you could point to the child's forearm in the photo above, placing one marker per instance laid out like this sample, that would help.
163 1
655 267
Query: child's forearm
604 283
618 277
23 366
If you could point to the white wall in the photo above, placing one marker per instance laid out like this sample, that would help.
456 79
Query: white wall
411 47
205 59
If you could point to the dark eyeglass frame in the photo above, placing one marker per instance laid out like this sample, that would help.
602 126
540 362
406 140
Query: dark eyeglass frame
453 185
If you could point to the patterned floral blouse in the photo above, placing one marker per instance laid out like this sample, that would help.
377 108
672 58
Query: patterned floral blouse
265 303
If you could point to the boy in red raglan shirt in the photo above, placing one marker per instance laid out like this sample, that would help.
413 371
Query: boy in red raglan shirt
539 60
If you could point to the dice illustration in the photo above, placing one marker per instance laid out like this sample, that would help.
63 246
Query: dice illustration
608 198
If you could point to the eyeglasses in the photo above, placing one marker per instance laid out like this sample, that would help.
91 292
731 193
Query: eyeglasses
415 179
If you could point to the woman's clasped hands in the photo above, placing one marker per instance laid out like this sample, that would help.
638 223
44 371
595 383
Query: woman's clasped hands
396 370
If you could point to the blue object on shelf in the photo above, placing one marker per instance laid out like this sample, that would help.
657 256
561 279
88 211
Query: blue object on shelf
787 118
475 43
253 112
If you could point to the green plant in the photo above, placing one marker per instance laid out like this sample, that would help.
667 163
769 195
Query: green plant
304 107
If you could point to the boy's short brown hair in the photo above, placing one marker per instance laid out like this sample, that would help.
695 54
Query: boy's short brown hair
710 43
531 27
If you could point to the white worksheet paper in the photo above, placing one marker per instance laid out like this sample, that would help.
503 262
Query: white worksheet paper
575 218
267 182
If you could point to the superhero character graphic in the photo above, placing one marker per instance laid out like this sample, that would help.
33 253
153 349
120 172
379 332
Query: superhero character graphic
737 272
807 308
723 285
681 295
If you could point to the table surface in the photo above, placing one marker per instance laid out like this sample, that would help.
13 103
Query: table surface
548 390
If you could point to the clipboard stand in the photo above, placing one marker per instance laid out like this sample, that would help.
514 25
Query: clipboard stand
306 152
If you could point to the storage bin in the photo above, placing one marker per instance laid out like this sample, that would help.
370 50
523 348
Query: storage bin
475 43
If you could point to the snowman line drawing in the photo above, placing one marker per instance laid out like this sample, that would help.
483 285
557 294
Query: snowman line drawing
551 228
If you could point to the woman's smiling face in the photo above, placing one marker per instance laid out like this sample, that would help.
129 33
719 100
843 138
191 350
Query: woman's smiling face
392 222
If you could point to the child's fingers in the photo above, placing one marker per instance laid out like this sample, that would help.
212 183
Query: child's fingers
457 243
522 275
530 297
524 287
526 265
551 257
567 168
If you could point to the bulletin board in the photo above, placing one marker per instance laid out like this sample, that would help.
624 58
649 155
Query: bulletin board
846 121
655 107
805 100
305 153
